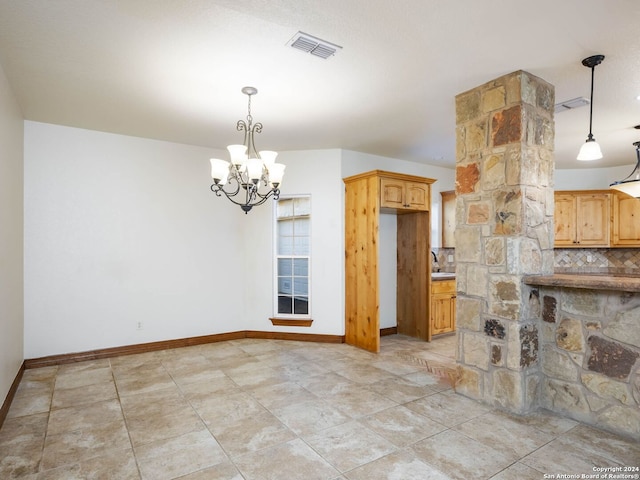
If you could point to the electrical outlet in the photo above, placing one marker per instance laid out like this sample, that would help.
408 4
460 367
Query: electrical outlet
450 258
139 325
589 258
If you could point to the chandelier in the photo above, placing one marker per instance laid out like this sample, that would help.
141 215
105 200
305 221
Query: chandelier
251 177
631 184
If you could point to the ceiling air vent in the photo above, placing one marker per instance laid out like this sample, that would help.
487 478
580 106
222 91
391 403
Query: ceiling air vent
314 46
571 104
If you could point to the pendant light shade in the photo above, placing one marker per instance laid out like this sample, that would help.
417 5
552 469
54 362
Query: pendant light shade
631 184
591 150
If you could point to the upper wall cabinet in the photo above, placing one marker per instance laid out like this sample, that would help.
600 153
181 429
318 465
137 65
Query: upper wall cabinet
596 218
581 219
448 219
403 194
625 225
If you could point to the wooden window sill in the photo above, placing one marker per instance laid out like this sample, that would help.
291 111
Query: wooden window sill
291 322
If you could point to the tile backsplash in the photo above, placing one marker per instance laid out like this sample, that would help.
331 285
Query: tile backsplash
598 260
584 260
443 254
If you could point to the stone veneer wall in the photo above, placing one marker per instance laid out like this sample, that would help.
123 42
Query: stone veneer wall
504 230
590 346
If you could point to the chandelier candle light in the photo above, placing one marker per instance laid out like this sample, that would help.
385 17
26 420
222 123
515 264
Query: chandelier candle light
249 170
590 150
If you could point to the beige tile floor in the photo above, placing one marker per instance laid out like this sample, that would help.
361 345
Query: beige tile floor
269 409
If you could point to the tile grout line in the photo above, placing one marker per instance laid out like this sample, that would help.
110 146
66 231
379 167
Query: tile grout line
124 418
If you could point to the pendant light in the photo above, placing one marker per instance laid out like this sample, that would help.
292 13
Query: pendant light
631 184
590 150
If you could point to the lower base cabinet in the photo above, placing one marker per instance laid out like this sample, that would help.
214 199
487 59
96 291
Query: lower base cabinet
443 306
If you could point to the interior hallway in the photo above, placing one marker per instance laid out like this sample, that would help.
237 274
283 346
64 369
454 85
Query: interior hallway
270 409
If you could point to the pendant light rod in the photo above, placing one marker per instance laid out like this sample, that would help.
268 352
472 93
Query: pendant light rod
591 62
590 150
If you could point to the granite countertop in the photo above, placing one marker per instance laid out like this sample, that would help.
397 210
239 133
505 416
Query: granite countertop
624 283
438 276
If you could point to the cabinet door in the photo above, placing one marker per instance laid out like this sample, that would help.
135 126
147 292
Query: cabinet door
626 221
391 193
442 313
564 219
582 219
443 306
592 220
417 196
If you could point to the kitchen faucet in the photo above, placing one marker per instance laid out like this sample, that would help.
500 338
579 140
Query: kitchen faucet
435 261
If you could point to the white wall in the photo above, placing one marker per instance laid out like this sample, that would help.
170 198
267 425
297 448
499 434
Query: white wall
120 230
11 237
314 172
387 268
590 178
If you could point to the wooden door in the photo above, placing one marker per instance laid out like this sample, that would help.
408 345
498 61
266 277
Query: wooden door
592 220
362 304
413 291
626 221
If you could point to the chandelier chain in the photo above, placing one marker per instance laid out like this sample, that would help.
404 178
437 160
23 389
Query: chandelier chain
249 117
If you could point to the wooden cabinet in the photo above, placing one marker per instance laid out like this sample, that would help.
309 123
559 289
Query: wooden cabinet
365 194
443 306
582 219
625 223
404 194
448 219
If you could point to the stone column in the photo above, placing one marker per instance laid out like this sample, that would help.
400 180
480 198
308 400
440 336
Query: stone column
504 231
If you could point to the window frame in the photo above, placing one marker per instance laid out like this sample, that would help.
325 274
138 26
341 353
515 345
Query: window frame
289 319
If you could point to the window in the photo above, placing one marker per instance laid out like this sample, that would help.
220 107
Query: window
293 249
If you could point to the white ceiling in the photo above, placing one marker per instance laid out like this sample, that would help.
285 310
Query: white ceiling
173 70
